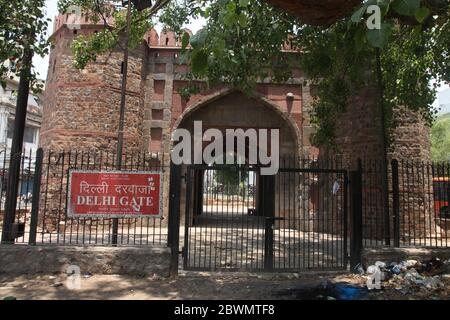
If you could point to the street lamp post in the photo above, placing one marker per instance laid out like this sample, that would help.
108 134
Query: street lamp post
12 186
140 5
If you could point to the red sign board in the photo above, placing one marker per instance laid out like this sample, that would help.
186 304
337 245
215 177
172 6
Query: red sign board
114 194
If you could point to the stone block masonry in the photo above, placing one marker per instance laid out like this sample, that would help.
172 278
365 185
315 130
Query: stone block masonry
81 109
52 259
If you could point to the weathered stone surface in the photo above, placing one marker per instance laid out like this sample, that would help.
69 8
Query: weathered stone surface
17 259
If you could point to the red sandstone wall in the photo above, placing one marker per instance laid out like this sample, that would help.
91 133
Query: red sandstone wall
81 108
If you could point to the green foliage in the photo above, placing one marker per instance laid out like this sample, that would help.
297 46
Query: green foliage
175 15
240 44
342 59
232 179
242 39
22 25
379 38
406 7
440 139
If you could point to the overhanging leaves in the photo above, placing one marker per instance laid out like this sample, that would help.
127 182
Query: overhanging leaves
406 7
380 37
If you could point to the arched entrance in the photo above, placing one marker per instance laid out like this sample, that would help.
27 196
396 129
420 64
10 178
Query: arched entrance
226 205
236 218
234 110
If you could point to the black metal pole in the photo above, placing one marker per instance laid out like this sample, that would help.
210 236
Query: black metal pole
16 147
268 198
356 243
396 202
384 163
36 193
174 218
115 226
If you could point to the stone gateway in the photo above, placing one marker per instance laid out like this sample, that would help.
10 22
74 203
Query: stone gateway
81 109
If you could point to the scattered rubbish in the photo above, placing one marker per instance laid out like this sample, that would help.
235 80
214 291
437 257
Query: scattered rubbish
57 284
409 263
339 291
433 283
359 269
323 284
396 269
409 275
336 187
372 269
155 277
434 267
348 292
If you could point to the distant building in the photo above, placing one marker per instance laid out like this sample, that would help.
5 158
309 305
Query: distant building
8 99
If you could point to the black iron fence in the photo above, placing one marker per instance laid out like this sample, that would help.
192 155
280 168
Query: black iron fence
417 212
51 225
239 219
20 227
417 208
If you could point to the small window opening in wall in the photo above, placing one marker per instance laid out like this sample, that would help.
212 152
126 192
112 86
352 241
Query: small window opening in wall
156 54
54 66
175 55
75 31
167 41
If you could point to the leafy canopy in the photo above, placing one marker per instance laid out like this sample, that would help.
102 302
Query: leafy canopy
22 26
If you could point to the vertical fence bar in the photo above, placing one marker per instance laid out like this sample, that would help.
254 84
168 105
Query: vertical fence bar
36 196
187 219
174 218
345 219
269 215
396 202
356 206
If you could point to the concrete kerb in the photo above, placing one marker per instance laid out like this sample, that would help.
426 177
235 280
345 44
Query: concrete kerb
52 259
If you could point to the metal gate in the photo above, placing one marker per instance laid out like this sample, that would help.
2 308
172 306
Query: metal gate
239 220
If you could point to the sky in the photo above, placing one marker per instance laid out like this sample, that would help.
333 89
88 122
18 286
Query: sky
444 100
41 64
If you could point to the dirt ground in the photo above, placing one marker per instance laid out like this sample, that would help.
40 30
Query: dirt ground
216 286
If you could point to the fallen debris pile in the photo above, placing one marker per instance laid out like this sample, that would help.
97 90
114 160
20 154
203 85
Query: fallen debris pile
408 276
